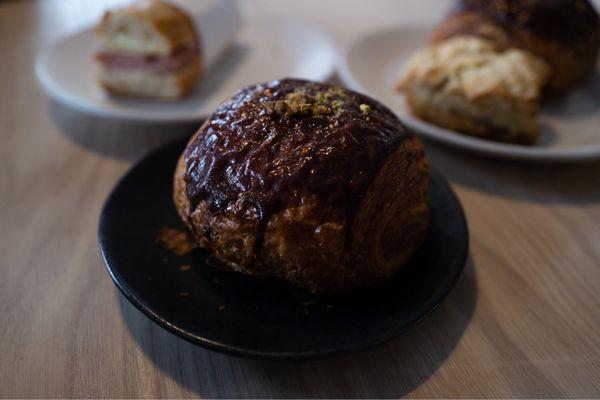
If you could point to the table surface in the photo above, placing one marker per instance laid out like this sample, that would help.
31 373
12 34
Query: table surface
523 321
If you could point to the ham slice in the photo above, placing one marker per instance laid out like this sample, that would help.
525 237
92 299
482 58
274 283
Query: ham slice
150 63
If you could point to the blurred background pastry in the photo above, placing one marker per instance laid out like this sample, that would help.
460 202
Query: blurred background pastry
566 33
305 182
464 84
149 50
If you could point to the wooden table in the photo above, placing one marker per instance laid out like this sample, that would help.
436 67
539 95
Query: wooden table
524 319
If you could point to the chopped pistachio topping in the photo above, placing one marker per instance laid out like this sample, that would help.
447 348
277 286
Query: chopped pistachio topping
336 91
268 106
301 103
280 106
320 110
365 108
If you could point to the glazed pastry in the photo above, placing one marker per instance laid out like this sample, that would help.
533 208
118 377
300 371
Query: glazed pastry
464 84
566 33
149 50
307 183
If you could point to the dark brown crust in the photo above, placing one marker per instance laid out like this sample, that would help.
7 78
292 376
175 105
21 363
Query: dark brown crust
328 232
565 33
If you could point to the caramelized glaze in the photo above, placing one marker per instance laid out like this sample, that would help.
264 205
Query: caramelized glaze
275 144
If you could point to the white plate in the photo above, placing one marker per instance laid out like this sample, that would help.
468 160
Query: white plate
570 128
263 50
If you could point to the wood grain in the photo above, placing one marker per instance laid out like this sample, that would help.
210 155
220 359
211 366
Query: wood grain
523 321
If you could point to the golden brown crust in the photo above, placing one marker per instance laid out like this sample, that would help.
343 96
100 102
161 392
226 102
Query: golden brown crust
187 78
567 35
168 20
473 68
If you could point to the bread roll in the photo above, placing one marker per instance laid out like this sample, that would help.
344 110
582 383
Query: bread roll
307 183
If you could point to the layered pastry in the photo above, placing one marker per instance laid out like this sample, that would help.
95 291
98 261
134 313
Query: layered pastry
465 84
307 183
149 50
566 33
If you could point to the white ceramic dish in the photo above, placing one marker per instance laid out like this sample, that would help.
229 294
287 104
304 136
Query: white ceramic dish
263 50
570 127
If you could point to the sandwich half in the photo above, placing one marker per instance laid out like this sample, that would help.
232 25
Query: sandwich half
148 50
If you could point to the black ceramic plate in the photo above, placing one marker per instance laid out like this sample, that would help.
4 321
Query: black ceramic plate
243 316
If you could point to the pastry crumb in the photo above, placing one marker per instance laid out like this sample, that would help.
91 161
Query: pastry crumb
176 241
309 302
185 267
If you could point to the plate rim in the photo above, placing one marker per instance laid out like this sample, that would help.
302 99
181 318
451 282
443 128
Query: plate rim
451 138
130 295
56 92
